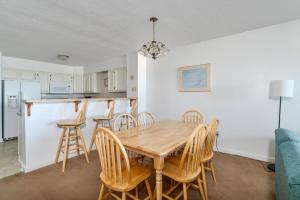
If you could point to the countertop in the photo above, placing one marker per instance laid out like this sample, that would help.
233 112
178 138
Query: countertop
73 100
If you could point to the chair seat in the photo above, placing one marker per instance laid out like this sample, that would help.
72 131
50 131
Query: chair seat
207 158
139 173
68 123
171 170
101 117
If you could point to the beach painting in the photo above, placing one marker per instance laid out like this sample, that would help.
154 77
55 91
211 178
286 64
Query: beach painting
195 78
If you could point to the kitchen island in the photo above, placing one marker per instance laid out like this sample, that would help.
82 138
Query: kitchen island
39 134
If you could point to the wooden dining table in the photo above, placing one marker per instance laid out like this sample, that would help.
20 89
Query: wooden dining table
157 141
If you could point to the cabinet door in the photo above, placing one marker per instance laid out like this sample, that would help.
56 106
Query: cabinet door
121 79
111 80
77 83
10 74
58 77
87 84
44 80
28 75
95 82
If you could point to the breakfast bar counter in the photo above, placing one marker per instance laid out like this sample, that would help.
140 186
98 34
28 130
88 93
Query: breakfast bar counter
39 134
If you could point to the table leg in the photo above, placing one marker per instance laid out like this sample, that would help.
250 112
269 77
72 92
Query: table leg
159 165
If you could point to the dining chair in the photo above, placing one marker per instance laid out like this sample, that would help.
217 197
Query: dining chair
134 108
185 168
72 135
208 154
145 119
192 117
117 174
124 122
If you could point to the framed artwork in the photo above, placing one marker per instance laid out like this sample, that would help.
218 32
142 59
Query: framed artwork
195 78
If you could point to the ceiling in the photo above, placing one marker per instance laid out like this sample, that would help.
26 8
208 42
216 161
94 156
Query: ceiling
90 31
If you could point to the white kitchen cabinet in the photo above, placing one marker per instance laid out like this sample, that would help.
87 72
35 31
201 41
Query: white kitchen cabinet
18 74
91 83
44 79
11 74
28 75
77 83
86 83
117 80
59 77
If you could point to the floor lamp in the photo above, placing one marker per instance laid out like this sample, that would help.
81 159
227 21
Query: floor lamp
280 89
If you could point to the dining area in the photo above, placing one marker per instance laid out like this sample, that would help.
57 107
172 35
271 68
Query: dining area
106 149
132 145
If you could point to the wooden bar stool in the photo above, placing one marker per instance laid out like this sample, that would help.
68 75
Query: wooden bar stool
104 121
72 136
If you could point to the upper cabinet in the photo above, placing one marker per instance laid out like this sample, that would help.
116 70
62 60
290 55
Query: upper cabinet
10 74
59 77
117 80
77 83
29 75
113 80
91 83
44 78
18 74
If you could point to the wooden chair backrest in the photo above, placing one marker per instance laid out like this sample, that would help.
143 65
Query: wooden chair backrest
113 157
192 117
124 122
134 108
193 151
111 108
212 130
145 119
81 116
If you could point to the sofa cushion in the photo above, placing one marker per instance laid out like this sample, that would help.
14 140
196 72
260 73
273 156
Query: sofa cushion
290 154
284 135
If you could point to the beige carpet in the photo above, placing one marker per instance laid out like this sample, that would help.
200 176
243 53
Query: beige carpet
238 178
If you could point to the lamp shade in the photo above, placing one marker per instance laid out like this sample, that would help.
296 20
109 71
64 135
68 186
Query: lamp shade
282 88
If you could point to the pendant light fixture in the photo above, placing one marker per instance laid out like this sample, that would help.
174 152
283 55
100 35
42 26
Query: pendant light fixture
154 49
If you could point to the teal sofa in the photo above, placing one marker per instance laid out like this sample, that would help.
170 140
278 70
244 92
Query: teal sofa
287 165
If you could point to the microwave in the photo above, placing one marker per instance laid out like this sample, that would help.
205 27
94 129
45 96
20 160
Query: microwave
60 87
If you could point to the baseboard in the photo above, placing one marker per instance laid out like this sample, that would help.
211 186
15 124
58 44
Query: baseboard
1 140
247 154
22 165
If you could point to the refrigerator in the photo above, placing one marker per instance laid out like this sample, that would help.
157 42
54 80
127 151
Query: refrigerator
13 93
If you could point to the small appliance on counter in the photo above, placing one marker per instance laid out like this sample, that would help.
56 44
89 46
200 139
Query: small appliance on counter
13 93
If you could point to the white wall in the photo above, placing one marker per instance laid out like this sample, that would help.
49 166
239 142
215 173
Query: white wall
20 63
1 99
242 67
107 64
132 71
142 83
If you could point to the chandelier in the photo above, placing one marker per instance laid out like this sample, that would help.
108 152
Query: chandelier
154 49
